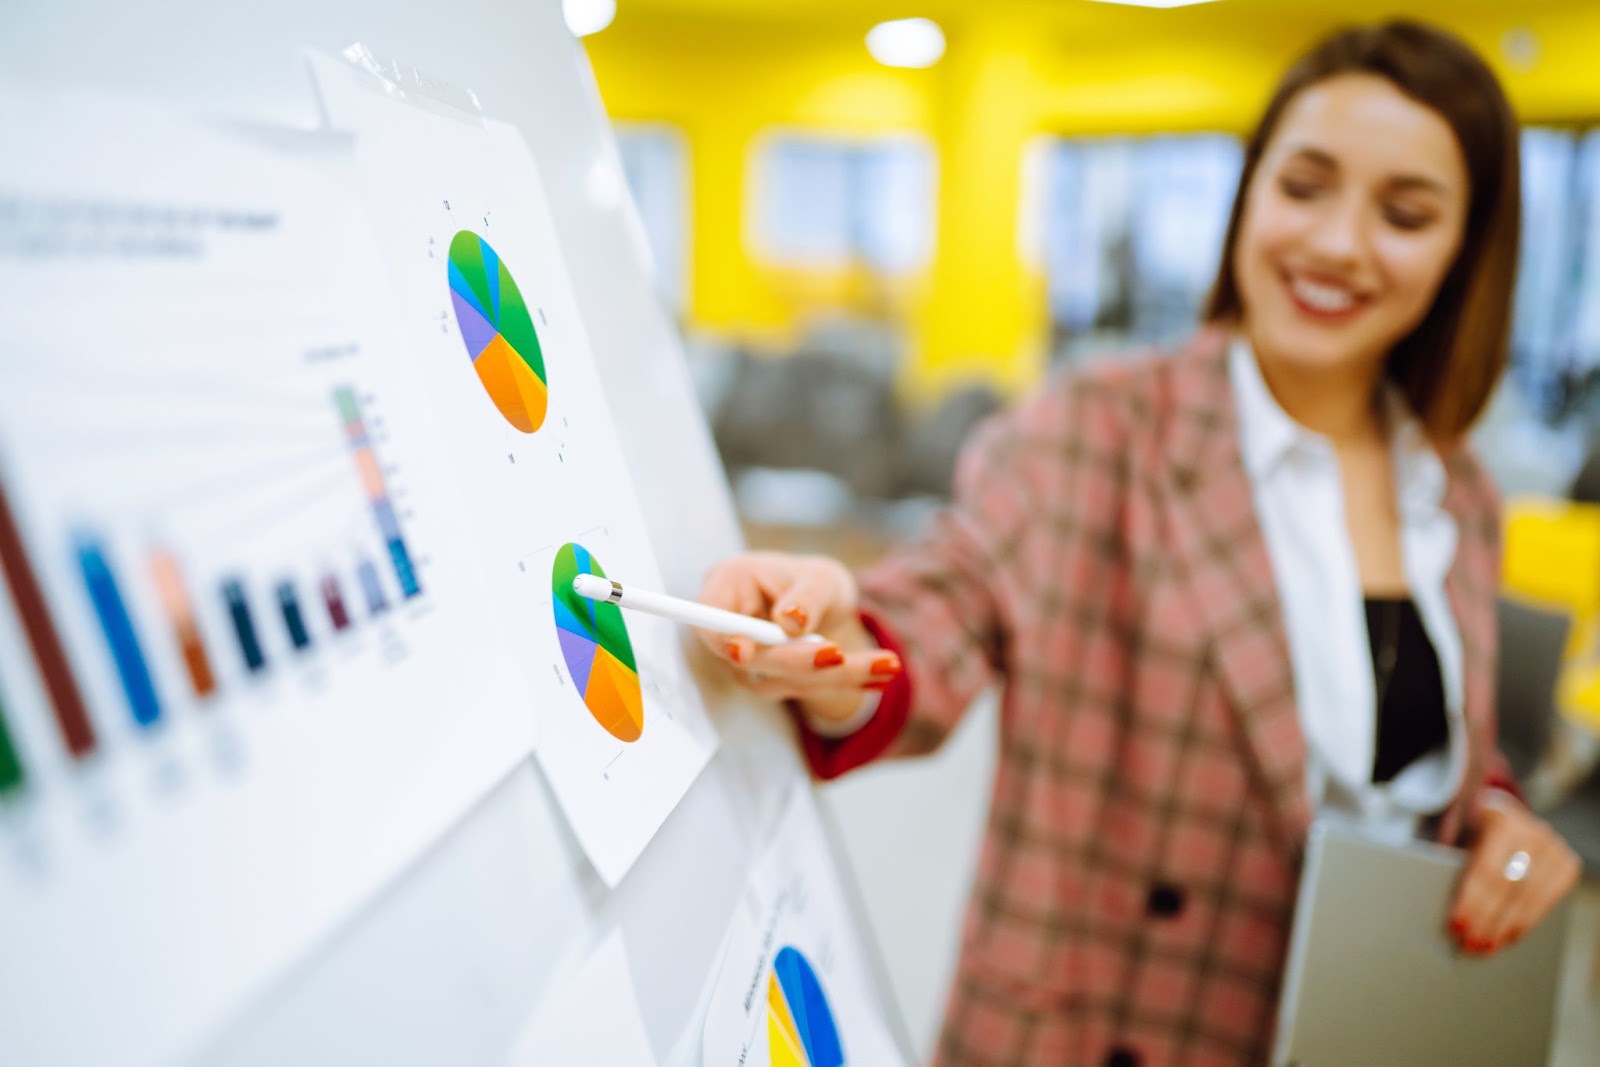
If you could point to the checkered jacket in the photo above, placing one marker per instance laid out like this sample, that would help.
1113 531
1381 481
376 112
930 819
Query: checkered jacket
1104 563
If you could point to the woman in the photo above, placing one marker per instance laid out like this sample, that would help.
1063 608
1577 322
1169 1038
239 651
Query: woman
1224 589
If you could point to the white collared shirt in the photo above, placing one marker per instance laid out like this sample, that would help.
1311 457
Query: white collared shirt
1299 500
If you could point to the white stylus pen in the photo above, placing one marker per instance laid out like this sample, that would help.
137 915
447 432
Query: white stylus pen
688 612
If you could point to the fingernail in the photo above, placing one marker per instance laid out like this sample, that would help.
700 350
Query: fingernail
827 657
798 614
733 651
886 666
1458 927
879 686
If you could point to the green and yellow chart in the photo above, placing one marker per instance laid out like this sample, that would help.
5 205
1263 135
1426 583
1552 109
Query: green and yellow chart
498 331
595 644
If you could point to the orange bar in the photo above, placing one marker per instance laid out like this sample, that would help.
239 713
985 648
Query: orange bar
180 611
371 476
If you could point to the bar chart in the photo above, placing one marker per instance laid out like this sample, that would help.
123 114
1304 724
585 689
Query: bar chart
241 635
257 614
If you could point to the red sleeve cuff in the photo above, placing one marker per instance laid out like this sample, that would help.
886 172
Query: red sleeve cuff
1503 781
830 757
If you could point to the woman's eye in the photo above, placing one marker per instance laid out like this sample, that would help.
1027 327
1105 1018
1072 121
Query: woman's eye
1298 188
1403 219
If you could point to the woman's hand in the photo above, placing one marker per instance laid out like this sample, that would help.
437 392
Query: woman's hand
1519 870
804 595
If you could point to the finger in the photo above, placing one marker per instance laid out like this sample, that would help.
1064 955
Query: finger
732 586
770 688
795 659
813 668
1484 891
811 597
832 695
1553 874
1515 898
736 586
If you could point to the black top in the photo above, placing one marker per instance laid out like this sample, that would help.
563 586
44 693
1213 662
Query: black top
1411 717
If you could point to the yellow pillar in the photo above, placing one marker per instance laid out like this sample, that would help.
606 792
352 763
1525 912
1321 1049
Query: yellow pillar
984 315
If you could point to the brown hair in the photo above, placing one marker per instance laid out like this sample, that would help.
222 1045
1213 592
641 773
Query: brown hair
1448 365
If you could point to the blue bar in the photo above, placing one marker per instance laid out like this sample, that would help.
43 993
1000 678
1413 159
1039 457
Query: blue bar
377 603
403 569
118 629
243 626
388 521
292 619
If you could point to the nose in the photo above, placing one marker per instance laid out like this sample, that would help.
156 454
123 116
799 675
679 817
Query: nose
1339 236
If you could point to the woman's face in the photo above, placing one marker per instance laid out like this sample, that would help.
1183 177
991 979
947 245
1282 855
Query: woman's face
1352 219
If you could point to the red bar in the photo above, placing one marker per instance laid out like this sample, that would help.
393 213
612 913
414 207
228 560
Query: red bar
71 714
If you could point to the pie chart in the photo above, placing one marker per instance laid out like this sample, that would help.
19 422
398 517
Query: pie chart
800 1028
498 332
594 642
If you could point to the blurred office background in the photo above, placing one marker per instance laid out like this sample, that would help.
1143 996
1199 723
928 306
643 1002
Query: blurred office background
875 235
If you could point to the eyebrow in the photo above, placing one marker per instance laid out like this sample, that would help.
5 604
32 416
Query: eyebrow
1404 182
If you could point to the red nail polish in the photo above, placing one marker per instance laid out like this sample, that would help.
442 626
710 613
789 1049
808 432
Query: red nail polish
886 666
827 657
732 649
1458 927
798 614
879 686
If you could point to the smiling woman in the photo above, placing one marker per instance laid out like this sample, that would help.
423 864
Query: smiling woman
1385 222
1224 590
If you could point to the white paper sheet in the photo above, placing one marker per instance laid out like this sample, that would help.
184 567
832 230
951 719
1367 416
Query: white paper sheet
794 989
592 1020
201 396
431 180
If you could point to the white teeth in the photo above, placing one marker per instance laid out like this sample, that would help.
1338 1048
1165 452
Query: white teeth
1323 297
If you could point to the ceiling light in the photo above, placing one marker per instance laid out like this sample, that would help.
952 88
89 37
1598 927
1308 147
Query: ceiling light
1155 3
588 16
906 43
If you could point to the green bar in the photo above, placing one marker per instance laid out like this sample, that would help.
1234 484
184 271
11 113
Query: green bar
345 398
10 766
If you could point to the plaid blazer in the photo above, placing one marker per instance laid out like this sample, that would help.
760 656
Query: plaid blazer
1103 559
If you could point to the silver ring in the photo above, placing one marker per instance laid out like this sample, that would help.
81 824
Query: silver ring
1517 866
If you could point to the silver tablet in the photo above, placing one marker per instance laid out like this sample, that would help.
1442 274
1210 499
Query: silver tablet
1374 979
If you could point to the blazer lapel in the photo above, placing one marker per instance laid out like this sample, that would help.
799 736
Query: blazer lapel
1471 585
1221 559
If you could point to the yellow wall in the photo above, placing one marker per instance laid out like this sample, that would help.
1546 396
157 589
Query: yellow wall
1010 74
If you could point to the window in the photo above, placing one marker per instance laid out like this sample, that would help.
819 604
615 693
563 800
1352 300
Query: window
1132 229
655 161
831 202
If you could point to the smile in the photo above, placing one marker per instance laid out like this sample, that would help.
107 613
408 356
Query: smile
1323 301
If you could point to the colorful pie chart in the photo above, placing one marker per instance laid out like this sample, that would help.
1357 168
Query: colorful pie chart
594 642
800 1027
498 332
